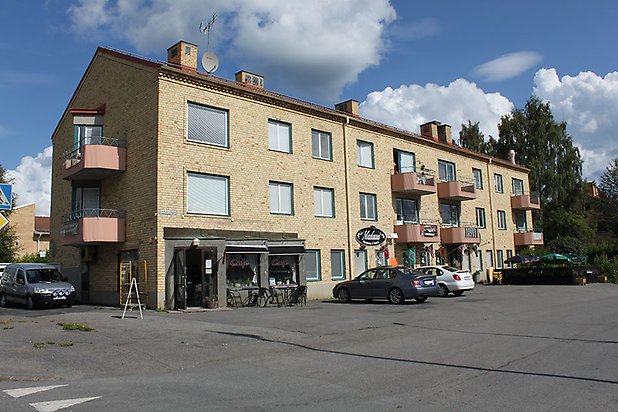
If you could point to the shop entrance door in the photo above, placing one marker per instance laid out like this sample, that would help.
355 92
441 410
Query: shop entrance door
194 277
180 280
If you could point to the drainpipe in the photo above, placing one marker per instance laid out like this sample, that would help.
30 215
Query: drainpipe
491 212
347 196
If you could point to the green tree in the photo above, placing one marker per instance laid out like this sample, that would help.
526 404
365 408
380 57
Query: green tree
471 137
609 196
8 239
544 146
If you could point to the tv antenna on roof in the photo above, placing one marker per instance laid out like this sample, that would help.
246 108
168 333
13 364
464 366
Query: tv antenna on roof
210 61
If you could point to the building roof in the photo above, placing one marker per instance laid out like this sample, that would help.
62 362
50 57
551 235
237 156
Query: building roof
292 102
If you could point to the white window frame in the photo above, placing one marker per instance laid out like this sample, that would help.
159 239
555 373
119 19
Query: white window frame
478 183
499 258
313 254
278 139
515 191
320 146
365 214
339 256
225 202
481 218
501 219
276 205
498 183
364 159
319 195
216 110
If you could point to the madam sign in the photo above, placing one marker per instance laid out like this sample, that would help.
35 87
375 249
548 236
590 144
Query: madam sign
370 236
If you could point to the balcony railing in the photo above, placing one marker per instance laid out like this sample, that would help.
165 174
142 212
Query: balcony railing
525 201
421 183
95 158
426 231
93 226
460 189
462 233
528 238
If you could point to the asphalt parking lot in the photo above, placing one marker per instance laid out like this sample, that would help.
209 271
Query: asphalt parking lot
498 347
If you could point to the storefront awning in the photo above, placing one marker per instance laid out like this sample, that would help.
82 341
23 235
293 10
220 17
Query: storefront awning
286 250
246 249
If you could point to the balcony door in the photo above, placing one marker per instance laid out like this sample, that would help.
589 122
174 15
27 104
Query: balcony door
405 162
449 214
518 187
86 201
446 171
407 211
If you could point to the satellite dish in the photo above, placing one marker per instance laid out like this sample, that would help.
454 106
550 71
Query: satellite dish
210 62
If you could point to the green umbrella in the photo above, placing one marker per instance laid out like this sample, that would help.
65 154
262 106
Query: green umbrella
555 258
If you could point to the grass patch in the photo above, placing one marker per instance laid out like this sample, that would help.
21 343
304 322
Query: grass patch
160 310
75 326
66 344
39 345
8 327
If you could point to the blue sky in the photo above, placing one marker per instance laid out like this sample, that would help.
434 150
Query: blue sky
407 62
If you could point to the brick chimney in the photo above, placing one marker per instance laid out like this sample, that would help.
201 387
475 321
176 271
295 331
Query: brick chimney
349 106
183 54
251 79
444 133
430 129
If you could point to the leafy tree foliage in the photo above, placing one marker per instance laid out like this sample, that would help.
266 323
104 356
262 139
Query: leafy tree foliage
566 244
8 238
471 137
609 196
544 146
32 258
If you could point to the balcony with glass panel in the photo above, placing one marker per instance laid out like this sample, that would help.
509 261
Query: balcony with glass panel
525 201
95 158
465 233
414 183
92 227
459 190
528 238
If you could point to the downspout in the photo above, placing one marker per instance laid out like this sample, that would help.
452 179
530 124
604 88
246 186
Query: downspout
347 195
491 212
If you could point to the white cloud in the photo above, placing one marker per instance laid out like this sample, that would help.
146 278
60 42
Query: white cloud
409 106
32 181
316 47
508 66
589 105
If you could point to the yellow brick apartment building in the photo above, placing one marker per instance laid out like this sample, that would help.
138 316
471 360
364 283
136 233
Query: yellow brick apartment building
193 184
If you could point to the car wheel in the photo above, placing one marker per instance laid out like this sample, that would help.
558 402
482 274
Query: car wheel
343 295
458 292
30 303
395 296
3 302
420 299
443 291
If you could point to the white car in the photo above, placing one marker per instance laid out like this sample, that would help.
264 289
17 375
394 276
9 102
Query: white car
450 279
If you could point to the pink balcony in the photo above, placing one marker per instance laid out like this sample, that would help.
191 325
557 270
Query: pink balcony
525 202
95 161
456 190
457 235
528 239
413 183
90 230
417 233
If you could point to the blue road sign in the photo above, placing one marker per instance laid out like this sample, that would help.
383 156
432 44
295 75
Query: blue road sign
6 192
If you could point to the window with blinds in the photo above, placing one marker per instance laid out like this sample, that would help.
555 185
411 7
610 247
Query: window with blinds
208 194
207 125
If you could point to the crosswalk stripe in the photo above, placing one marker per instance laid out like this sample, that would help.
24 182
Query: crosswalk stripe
53 406
18 393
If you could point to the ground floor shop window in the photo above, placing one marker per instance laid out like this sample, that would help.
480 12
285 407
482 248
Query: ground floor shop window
337 264
243 270
282 270
313 265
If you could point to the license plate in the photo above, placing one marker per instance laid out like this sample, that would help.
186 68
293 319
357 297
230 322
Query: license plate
428 283
467 278
59 297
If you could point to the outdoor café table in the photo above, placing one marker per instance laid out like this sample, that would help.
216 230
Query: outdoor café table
284 291
238 293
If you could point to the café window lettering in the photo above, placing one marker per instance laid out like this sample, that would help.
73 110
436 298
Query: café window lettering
282 270
243 270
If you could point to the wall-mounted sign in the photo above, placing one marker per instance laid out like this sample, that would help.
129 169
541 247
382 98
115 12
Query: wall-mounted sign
429 230
6 193
165 212
3 221
370 236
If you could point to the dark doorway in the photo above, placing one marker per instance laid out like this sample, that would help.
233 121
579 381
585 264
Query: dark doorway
194 280
195 276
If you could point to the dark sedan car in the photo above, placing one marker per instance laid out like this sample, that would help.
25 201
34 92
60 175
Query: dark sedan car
396 284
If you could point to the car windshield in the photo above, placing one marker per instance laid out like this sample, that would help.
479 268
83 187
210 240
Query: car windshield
451 269
43 275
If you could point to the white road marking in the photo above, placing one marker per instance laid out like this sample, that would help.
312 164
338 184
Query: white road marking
53 406
18 393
